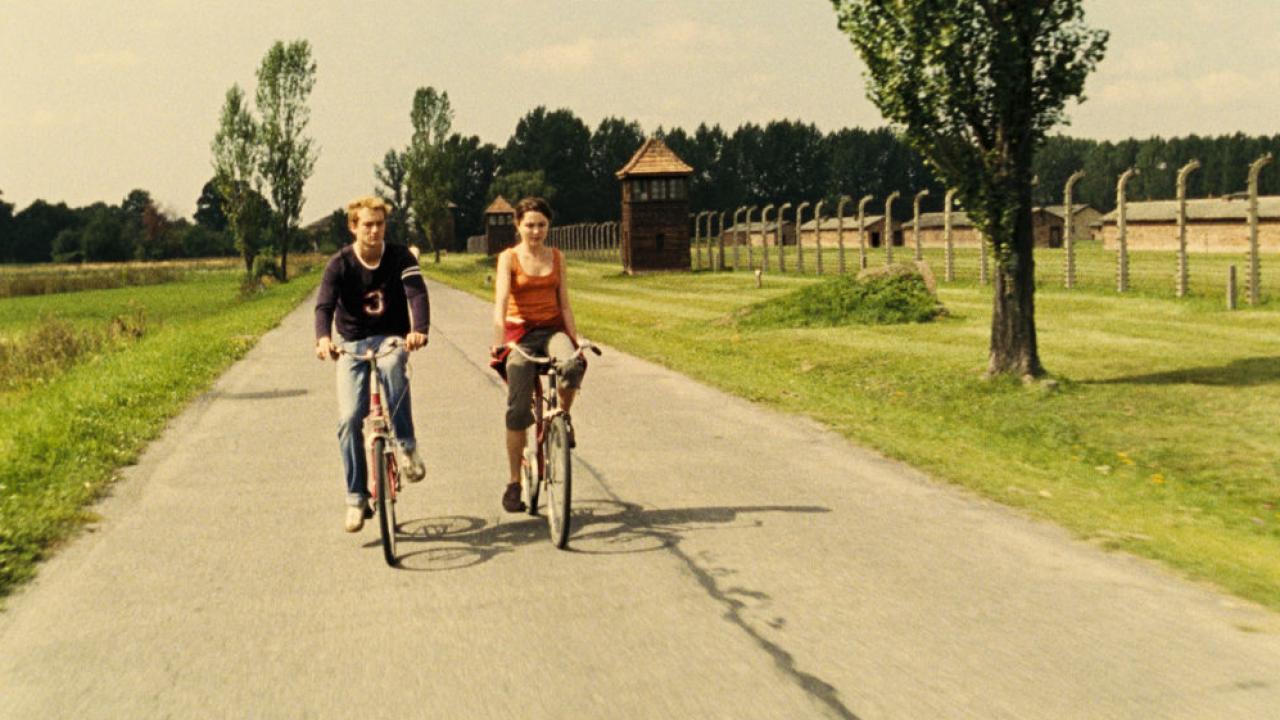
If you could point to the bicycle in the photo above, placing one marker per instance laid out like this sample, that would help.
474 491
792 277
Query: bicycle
379 440
548 462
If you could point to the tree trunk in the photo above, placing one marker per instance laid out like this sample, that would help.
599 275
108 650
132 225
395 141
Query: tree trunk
284 251
1013 321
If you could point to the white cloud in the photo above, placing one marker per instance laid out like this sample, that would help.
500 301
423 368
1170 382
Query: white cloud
672 44
113 59
561 57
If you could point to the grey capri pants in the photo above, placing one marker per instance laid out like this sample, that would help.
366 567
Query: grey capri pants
521 374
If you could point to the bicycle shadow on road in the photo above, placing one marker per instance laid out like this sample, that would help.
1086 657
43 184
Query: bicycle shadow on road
599 527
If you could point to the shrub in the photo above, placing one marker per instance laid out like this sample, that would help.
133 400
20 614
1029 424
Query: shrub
53 345
265 266
896 294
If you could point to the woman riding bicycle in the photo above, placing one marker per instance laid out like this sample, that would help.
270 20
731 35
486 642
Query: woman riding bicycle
531 309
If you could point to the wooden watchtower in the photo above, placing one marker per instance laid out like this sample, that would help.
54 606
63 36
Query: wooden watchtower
499 226
655 209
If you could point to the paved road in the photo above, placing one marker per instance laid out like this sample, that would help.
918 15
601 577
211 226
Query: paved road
729 562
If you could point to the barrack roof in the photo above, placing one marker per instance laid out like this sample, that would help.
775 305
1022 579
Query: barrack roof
1061 210
850 223
1197 209
654 158
499 205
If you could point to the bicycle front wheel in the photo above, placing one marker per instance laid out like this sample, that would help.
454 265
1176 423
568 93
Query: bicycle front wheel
559 480
385 478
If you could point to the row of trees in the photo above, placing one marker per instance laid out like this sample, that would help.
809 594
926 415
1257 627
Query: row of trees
139 229
136 229
555 154
752 165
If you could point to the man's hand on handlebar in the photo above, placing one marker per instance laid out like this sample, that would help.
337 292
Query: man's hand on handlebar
326 350
415 340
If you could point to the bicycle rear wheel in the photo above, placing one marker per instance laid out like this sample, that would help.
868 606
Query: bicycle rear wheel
385 476
559 474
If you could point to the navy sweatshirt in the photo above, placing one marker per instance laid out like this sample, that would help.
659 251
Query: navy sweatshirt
372 301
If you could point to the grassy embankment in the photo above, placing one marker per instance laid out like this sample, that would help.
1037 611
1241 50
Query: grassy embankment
47 278
87 378
1159 438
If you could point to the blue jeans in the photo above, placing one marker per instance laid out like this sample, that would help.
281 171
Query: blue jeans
353 406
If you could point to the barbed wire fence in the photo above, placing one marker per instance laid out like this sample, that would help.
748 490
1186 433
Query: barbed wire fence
1095 259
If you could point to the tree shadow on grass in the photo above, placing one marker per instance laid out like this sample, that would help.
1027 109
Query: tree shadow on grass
1245 372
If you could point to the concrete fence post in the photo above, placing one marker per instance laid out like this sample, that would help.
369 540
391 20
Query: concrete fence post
720 242
800 236
844 200
817 233
737 234
751 253
1255 267
1069 267
886 236
1122 237
697 239
862 231
782 240
764 236
1231 287
915 228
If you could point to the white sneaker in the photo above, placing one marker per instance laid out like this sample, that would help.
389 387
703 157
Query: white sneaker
355 518
411 465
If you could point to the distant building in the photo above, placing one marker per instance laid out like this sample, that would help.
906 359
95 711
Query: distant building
758 233
1046 225
1213 225
1085 217
873 226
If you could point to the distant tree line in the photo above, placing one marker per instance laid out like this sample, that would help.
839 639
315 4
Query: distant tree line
554 153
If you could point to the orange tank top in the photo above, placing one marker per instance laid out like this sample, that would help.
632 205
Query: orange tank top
535 301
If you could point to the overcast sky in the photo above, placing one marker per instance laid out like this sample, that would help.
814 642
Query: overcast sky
98 97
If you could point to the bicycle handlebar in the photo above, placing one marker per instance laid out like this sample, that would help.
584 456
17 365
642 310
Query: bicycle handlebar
583 345
388 346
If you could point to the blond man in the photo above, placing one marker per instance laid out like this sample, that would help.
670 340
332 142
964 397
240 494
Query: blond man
371 291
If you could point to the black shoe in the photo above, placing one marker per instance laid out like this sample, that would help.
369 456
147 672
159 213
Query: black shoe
511 501
568 423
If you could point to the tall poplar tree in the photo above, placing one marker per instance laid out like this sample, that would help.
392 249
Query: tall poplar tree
428 180
976 85
285 80
235 167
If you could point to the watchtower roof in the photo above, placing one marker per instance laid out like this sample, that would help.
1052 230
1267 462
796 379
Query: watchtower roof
499 206
654 158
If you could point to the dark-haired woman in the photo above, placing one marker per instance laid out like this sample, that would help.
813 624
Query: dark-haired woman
531 308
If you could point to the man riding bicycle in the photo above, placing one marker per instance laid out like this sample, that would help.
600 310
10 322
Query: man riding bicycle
371 291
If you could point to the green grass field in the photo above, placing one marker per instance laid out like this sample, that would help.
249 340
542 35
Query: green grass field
1159 437
65 433
1151 274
